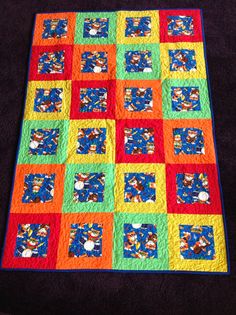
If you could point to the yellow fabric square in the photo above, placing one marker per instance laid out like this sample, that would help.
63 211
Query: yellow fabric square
158 206
200 73
121 25
219 264
108 157
66 100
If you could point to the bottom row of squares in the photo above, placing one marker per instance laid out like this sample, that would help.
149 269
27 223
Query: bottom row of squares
116 241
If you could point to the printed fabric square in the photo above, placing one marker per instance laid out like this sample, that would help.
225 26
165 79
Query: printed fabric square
140 241
182 60
138 61
43 142
95 28
32 240
51 62
38 189
188 141
48 100
138 27
139 141
91 141
140 187
180 26
94 62
85 240
54 29
192 189
138 99
93 99
197 242
186 99
89 188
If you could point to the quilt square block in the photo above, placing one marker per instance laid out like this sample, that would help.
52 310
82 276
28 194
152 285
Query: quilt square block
180 26
139 141
89 188
94 62
85 241
185 99
51 63
54 29
140 188
136 62
31 241
182 61
138 99
195 243
192 141
140 242
138 27
96 28
38 189
91 141
192 190
48 100
43 142
93 99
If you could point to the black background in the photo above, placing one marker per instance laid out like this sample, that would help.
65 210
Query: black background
118 293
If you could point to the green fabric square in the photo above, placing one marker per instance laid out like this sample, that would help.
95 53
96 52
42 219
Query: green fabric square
79 32
61 152
107 205
155 57
168 113
122 263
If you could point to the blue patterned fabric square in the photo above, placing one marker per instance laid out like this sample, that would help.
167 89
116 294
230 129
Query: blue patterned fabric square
48 100
140 187
43 141
180 25
188 141
192 188
185 99
55 28
182 60
138 26
38 188
85 240
139 141
197 242
51 62
32 240
91 141
93 100
138 99
140 241
94 61
96 28
138 61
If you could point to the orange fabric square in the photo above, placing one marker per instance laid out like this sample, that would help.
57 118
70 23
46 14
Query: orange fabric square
102 262
123 113
205 125
77 74
54 206
38 30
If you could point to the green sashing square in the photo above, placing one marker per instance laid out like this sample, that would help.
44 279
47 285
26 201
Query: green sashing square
95 28
89 188
200 90
43 142
157 222
126 62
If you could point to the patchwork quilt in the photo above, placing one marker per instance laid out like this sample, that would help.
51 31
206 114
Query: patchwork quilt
116 168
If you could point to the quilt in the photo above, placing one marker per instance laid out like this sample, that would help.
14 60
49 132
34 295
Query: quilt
116 167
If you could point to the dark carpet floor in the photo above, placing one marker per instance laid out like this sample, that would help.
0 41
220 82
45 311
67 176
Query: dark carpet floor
118 293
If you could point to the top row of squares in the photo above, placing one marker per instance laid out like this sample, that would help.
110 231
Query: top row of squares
122 27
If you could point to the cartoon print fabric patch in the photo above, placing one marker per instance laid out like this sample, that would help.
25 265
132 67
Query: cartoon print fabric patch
117 167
